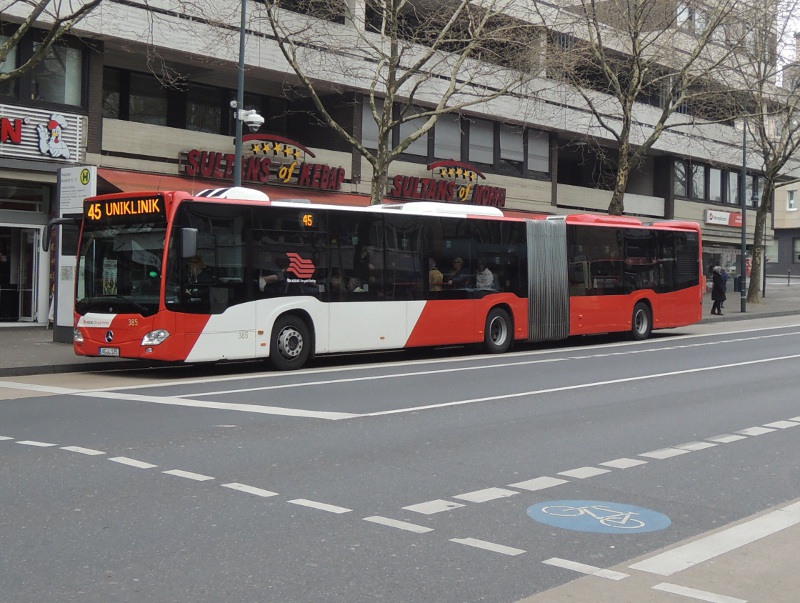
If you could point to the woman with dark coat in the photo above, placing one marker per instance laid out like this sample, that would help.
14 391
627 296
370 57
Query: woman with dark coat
717 290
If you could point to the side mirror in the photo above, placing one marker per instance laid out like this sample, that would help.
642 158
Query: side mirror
188 242
48 231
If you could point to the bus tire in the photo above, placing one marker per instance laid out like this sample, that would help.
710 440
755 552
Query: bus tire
641 322
498 334
290 344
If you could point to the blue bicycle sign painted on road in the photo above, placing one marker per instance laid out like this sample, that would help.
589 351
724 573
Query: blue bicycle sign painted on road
598 516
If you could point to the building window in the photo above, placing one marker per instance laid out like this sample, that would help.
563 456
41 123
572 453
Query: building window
680 183
447 137
148 100
8 87
732 192
419 147
512 149
538 152
112 93
791 200
57 77
715 185
698 182
481 142
369 128
203 110
796 251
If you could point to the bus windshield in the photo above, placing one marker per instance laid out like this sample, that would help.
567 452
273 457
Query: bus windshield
119 269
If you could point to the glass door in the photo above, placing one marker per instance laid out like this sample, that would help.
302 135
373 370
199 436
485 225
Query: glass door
28 269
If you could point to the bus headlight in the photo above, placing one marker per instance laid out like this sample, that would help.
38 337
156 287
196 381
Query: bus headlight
77 336
155 337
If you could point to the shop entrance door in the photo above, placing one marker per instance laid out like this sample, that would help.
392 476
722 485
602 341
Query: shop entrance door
28 269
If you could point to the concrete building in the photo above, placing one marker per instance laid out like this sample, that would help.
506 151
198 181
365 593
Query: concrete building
140 96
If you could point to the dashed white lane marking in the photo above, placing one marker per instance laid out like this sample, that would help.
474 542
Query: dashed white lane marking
688 555
584 472
88 451
583 568
795 419
755 431
400 525
434 506
198 477
693 593
249 489
488 546
485 495
34 443
624 463
664 453
132 462
782 424
695 446
538 483
320 506
5 438
727 439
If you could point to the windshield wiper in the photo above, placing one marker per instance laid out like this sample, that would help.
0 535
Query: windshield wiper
142 309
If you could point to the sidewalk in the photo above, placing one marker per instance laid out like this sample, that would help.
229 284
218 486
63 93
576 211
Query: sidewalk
30 350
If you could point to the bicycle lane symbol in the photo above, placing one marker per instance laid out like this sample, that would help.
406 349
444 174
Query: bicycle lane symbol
598 516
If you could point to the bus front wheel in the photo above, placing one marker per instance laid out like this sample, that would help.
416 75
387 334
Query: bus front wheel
642 322
290 344
498 333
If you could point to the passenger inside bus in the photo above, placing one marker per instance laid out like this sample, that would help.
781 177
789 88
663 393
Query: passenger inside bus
271 280
459 278
435 276
484 279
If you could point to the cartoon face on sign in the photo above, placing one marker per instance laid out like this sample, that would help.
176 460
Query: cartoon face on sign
50 138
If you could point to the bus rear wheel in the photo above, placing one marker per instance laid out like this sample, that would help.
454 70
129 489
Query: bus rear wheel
290 344
642 322
498 332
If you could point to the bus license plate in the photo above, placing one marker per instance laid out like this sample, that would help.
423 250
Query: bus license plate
109 351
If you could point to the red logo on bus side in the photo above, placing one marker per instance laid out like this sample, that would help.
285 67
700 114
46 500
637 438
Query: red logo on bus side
300 266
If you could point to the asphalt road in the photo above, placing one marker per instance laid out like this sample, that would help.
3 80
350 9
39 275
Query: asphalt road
435 477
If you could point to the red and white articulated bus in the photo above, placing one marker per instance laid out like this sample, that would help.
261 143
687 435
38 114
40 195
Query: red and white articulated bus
286 280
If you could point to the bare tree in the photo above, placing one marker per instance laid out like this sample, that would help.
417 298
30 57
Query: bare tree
643 67
772 110
410 60
57 16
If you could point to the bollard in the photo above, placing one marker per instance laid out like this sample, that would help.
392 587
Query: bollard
788 278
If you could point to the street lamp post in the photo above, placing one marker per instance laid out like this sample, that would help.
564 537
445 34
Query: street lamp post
253 119
743 203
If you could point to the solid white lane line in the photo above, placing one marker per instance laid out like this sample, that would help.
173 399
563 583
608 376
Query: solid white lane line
538 483
583 568
664 453
34 443
485 495
320 506
694 446
689 555
782 424
755 431
488 546
132 462
198 477
693 593
249 489
88 451
400 525
254 408
579 386
624 463
727 439
584 472
434 506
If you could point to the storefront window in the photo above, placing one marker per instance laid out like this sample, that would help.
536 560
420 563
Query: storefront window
796 251
148 100
57 77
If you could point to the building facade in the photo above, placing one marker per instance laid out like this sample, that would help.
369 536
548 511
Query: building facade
156 114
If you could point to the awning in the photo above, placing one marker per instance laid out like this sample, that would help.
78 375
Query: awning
115 181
